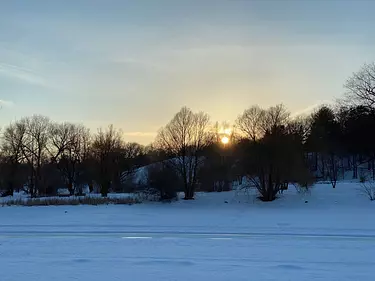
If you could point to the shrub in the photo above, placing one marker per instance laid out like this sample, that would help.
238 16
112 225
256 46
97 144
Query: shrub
368 188
56 201
303 189
162 182
362 179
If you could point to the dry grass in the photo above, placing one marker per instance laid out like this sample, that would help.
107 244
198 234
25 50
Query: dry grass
73 201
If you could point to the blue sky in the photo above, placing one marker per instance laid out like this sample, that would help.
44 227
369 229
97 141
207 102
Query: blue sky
135 63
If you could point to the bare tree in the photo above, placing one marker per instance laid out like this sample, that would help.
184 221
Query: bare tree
34 148
131 154
11 147
361 86
274 117
184 137
256 121
60 138
69 145
250 122
331 168
125 161
300 126
273 161
106 147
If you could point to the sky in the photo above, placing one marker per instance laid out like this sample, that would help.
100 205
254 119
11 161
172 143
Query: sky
134 64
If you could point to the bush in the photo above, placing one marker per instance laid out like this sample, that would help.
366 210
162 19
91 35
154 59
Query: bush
303 189
368 188
362 179
162 182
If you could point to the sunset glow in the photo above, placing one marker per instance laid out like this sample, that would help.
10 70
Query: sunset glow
225 140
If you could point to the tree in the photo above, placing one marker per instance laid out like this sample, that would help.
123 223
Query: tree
255 121
272 151
184 138
60 138
12 178
325 139
216 172
356 121
106 150
34 131
69 147
162 181
133 157
125 162
250 122
12 157
275 117
300 126
361 86
51 179
273 160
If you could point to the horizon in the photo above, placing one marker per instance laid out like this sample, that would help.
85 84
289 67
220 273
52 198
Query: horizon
135 65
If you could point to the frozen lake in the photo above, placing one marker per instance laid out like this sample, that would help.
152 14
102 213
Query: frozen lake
332 237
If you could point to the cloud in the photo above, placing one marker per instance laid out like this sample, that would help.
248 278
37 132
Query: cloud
21 73
140 134
5 103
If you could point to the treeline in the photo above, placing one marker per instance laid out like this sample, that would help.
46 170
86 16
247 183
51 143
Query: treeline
40 156
268 147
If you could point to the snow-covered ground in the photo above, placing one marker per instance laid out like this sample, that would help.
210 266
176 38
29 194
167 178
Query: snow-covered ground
219 236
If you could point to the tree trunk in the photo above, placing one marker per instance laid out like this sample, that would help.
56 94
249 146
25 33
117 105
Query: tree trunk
324 174
316 161
32 190
104 189
271 192
189 193
38 180
10 190
70 188
355 168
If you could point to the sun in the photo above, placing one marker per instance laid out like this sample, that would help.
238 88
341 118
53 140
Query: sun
225 140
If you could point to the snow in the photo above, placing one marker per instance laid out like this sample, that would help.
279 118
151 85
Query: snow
331 237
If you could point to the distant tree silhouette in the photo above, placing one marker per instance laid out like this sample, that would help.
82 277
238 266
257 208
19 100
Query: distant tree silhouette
254 122
163 181
325 139
33 136
184 138
277 157
268 147
107 146
12 156
250 122
69 146
361 86
358 138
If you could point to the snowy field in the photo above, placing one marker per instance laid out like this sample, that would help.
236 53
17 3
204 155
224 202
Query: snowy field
331 237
